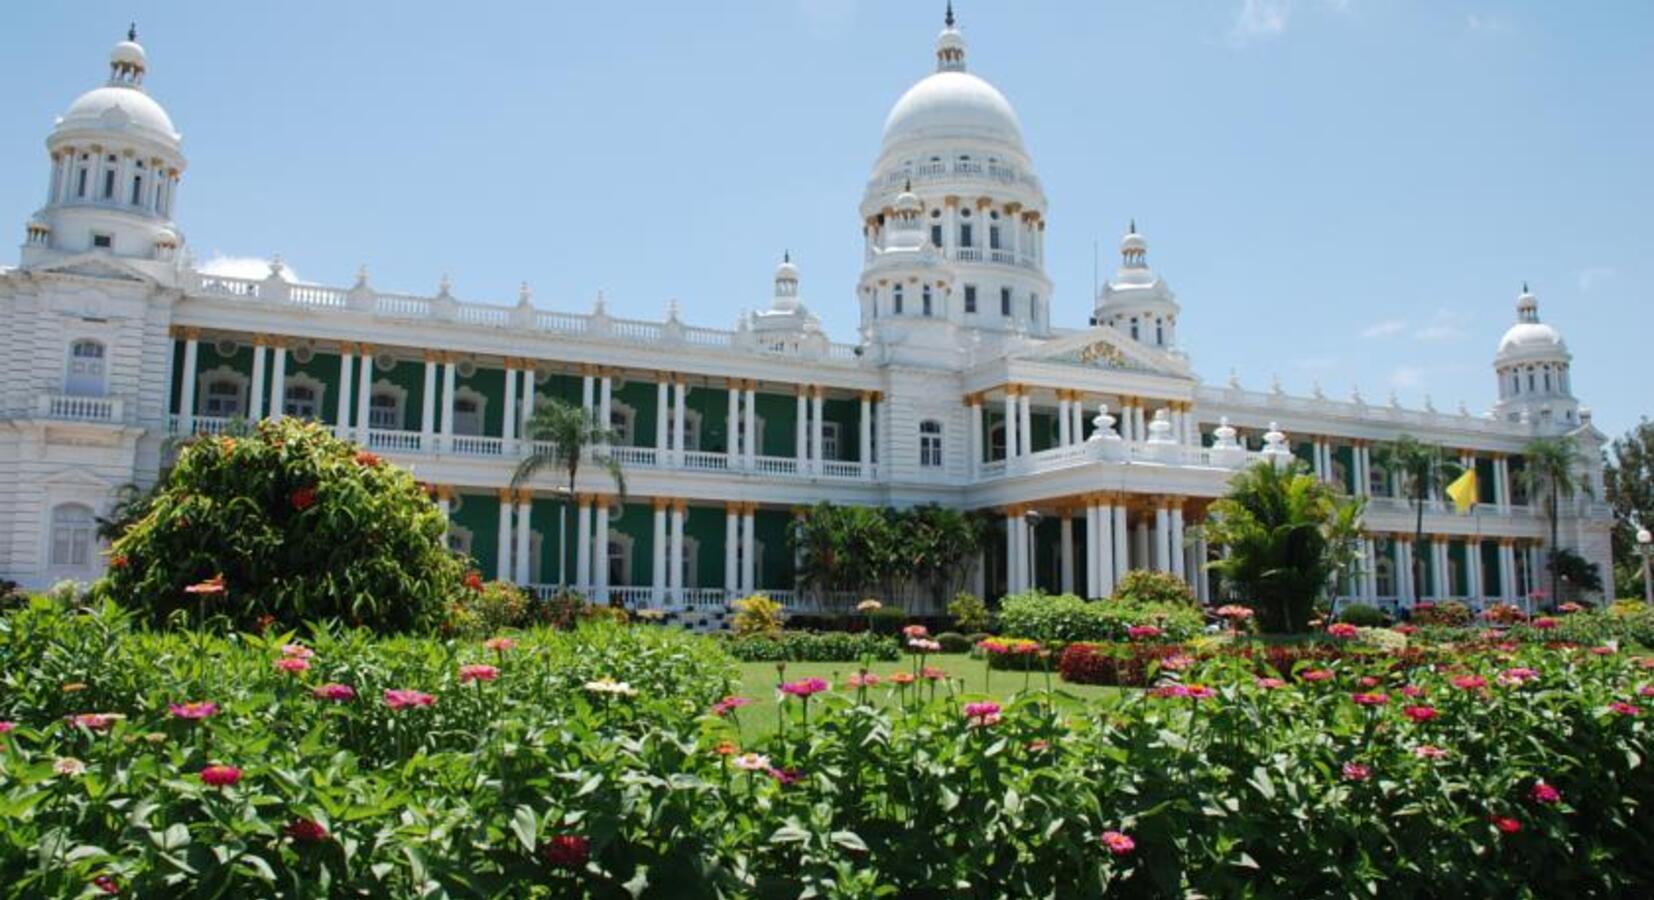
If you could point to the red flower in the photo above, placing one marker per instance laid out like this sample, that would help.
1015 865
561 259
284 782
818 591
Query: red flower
107 884
365 458
1544 793
303 498
1469 682
213 585
1342 630
220 776
338 693
1623 708
1505 824
1370 699
1603 651
305 831
1356 772
468 674
915 631
118 561
1406 629
1545 623
725 706
293 664
566 851
473 580
1420 713
1118 843
1316 675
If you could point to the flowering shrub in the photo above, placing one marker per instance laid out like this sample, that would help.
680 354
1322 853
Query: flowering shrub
1062 618
487 608
1151 587
809 646
286 524
1120 665
611 757
1451 613
1362 615
758 614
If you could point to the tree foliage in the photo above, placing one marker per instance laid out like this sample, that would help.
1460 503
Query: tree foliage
1287 535
864 549
1551 475
564 436
299 525
1422 470
1629 479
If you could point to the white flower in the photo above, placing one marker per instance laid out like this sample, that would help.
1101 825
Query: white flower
924 645
607 685
752 762
68 765
869 605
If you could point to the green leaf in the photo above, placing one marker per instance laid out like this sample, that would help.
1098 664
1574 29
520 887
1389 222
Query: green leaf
526 827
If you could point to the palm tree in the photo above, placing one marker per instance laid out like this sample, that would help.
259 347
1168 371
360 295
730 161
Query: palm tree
561 436
1286 535
1421 470
1550 471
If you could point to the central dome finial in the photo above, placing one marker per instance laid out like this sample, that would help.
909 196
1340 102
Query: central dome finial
948 19
950 45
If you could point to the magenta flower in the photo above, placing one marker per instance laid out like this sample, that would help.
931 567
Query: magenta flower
982 714
1342 630
1356 772
297 650
1270 684
195 711
1420 713
338 693
1118 843
96 721
1137 632
294 664
725 706
402 699
468 674
805 688
7 726
1544 793
1412 691
785 777
1317 675
1199 692
1370 699
220 776
1469 682
1623 708
1429 751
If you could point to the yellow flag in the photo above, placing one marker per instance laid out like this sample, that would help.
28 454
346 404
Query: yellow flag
1463 491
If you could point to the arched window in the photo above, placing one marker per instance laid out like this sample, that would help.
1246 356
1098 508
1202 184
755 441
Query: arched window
223 399
303 399
930 444
385 410
468 411
996 441
85 377
621 417
72 535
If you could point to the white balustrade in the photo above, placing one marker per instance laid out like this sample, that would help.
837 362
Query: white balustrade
394 441
79 409
775 465
704 461
834 468
476 445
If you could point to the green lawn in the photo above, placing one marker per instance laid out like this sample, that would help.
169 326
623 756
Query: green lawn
758 682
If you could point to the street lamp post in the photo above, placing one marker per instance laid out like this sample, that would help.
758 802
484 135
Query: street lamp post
1645 547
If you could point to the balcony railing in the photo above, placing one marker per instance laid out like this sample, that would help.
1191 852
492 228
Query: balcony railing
395 441
71 408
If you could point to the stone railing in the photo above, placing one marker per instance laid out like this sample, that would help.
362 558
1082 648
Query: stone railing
1276 404
952 170
72 408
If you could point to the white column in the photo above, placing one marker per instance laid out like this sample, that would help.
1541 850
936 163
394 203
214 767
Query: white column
865 445
818 402
586 402
1025 423
1108 542
1126 420
527 413
1067 550
1318 452
750 424
1139 428
605 403
675 572
801 432
448 404
1142 557
1203 576
1369 570
186 396
347 368
1011 441
1065 423
732 428
1115 564
502 543
1174 547
508 421
600 550
732 537
1473 567
1501 483
1162 540
427 406
364 395
1013 571
680 409
749 550
1093 548
1438 568
445 502
974 439
663 401
525 512
1507 572
658 556
278 379
1076 412
255 396
583 544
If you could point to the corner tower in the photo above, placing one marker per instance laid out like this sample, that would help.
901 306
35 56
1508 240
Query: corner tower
953 220
116 164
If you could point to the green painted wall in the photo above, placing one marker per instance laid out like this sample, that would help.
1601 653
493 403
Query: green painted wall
491 384
1345 456
847 413
636 521
640 396
706 525
713 406
1459 557
542 517
480 514
323 367
780 415
1043 427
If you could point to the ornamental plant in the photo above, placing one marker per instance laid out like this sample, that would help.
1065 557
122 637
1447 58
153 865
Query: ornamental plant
1049 618
285 524
1149 586
757 615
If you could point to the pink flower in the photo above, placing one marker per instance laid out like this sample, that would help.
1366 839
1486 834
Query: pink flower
338 693
468 674
220 776
1469 682
305 831
1505 824
993 646
1646 690
196 711
1356 772
805 688
1177 663
1412 691
725 706
1234 612
499 644
1270 684
1342 630
1545 623
293 664
1316 675
402 699
1170 691
1118 843
1199 692
1370 699
902 678
915 631
96 721
1420 713
1566 608
785 777
982 714
860 680
7 726
1367 681
1603 651
298 650
924 645
1623 708
1544 793
931 673
1516 676
1138 632
1429 751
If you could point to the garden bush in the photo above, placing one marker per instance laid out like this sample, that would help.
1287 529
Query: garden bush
758 614
1450 613
485 609
954 642
1118 665
969 612
1362 615
1149 586
283 525
1512 773
808 646
1065 617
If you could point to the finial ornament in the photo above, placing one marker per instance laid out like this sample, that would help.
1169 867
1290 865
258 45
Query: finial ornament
1134 225
948 19
786 256
132 32
1524 287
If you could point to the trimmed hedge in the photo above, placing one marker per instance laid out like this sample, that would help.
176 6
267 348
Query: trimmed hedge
1049 618
809 646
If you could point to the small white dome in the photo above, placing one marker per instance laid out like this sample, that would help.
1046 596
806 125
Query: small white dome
1531 336
113 108
907 201
953 105
1132 242
786 271
130 53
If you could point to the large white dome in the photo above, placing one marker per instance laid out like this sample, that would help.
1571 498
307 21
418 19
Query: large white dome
1531 336
952 105
114 108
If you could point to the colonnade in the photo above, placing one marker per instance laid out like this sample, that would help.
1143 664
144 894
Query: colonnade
1110 546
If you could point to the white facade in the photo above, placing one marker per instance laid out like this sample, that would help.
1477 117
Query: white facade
960 389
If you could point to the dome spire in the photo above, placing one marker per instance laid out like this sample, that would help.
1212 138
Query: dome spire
127 61
1527 306
950 45
132 32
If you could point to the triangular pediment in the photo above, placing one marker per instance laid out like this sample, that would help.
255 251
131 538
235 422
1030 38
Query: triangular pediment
1102 347
96 265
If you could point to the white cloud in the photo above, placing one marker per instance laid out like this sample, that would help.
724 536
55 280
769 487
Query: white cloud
1384 329
1446 325
255 268
1259 19
1592 277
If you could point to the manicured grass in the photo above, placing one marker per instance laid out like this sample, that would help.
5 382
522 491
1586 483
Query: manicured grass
758 682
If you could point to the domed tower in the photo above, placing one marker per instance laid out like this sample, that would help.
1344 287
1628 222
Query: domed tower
1137 302
953 218
1533 367
116 162
788 325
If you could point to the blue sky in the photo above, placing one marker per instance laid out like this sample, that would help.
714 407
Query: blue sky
1350 192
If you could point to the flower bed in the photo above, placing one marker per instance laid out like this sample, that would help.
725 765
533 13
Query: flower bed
606 762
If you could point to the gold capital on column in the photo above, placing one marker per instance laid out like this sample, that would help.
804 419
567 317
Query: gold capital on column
660 503
505 494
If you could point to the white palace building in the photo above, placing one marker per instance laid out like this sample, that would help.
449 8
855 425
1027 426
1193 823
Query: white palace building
960 390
